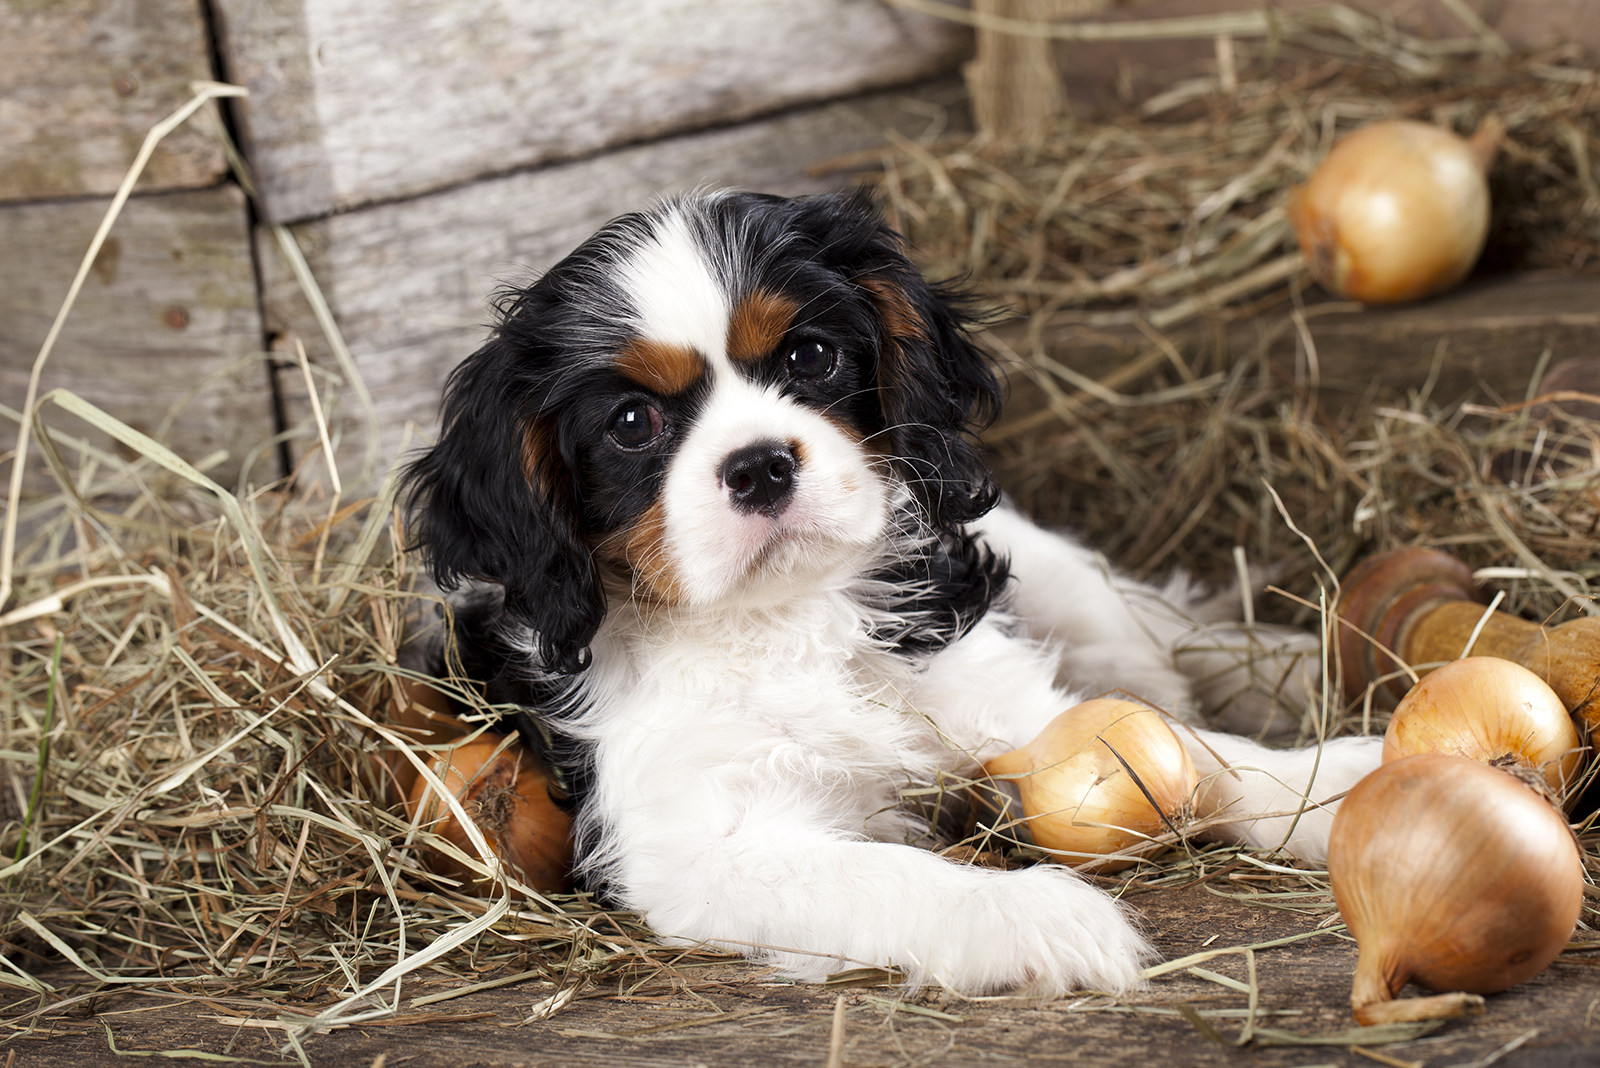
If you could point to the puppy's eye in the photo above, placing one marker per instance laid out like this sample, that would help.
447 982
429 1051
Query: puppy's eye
636 425
812 359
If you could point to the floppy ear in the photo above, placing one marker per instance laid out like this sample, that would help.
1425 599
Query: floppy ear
935 387
495 500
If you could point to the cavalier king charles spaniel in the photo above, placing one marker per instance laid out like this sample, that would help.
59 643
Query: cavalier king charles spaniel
713 517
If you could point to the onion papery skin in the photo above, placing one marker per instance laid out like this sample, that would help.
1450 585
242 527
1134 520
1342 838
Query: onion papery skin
1079 799
1398 211
1453 875
1487 709
507 794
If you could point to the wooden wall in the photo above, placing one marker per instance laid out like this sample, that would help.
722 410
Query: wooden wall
170 314
168 331
357 101
80 83
424 151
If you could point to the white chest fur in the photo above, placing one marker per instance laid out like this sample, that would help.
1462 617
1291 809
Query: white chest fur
713 721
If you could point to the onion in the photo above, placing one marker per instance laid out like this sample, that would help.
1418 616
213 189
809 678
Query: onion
1489 710
1397 211
1079 798
427 716
1453 875
507 794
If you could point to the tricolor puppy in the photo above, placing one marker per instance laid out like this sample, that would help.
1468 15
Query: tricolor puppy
713 471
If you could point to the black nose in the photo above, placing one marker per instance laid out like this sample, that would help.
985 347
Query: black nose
760 477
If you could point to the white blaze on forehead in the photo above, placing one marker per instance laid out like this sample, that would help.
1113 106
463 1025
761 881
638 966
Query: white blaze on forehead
678 296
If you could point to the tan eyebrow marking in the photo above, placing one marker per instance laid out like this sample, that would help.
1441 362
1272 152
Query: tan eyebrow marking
667 369
758 325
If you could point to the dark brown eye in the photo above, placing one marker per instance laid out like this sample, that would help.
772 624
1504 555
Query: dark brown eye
812 359
636 425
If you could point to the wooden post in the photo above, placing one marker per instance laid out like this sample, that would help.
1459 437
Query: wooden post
1013 82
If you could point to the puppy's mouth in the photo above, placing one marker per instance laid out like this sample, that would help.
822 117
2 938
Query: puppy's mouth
805 532
770 536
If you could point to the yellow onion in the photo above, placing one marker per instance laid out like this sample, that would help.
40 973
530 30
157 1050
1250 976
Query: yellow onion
1397 211
1088 781
1453 875
506 792
425 715
1489 710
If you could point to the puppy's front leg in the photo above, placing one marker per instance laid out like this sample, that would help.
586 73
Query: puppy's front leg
1243 785
813 901
1111 631
1281 798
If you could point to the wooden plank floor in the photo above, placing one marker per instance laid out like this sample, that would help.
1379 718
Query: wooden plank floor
737 1014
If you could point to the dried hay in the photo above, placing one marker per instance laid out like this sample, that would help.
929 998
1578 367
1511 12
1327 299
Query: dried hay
196 737
1171 213
1173 208
190 809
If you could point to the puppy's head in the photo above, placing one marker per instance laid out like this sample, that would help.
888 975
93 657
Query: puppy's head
704 404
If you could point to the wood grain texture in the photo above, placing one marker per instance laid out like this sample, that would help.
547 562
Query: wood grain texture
1487 336
358 101
409 282
1479 342
82 82
741 1016
1100 71
169 309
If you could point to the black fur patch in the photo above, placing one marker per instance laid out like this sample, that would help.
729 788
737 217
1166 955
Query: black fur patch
935 595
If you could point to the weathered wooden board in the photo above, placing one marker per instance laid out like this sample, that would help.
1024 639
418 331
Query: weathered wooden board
1486 338
409 282
356 101
1103 69
168 314
82 82
737 1015
1480 342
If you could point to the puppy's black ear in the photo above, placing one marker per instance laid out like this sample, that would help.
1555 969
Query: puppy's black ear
935 387
495 500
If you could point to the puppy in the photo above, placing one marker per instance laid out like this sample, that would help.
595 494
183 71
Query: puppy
711 484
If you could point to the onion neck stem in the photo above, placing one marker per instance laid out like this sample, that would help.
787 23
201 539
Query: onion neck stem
1375 984
1408 1010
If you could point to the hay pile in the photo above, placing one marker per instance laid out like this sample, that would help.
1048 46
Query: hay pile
1169 216
1173 208
1183 480
193 785
199 704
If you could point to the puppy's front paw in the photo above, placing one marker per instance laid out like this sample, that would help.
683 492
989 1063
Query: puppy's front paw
1042 931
